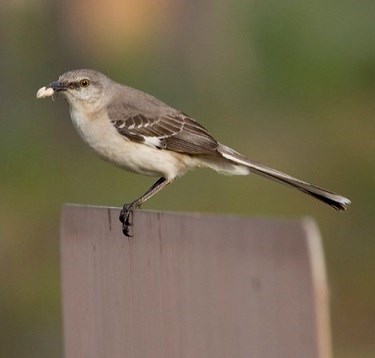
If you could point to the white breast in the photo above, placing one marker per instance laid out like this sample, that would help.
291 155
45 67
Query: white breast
100 134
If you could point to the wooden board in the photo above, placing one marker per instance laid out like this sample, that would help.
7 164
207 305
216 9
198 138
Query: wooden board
192 285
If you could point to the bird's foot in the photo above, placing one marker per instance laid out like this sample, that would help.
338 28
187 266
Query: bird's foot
126 217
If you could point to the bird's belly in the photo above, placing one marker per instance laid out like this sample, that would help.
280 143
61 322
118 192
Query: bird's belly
137 157
104 139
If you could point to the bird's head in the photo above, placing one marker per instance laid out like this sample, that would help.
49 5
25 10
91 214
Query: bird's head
81 87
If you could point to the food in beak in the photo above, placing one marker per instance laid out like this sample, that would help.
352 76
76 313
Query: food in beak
45 92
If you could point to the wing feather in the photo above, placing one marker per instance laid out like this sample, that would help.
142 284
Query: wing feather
173 131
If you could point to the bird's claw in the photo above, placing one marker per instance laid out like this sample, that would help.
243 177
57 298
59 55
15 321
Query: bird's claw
126 217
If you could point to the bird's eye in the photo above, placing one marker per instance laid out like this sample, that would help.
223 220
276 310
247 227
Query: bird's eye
84 83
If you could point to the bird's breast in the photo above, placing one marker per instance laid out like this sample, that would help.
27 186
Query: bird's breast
101 135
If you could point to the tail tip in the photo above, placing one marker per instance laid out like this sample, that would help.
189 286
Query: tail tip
342 204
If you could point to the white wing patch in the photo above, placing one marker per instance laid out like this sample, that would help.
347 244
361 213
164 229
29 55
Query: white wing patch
152 141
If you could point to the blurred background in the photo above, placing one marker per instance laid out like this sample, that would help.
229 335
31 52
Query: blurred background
288 83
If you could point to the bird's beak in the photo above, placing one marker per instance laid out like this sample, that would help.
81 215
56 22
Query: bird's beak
58 86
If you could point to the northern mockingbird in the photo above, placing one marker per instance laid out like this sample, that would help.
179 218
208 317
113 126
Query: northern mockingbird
140 133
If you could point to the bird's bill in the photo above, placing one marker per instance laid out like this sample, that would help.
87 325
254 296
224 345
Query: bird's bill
58 86
51 89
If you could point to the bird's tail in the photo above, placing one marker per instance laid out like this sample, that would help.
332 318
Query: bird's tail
336 201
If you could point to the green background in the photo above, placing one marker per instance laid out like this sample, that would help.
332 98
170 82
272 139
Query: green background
288 83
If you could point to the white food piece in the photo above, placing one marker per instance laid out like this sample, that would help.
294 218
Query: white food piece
45 92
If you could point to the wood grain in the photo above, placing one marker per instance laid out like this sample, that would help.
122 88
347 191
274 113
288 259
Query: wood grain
192 285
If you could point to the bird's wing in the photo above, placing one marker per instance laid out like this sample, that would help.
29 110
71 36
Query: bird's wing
172 131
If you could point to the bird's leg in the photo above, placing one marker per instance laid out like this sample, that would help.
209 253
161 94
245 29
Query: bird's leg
127 210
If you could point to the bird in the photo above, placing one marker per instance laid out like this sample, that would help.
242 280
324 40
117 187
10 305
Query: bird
139 133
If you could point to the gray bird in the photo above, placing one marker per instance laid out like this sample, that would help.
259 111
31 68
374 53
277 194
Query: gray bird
141 134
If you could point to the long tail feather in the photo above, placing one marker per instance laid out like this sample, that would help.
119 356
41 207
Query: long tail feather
335 200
